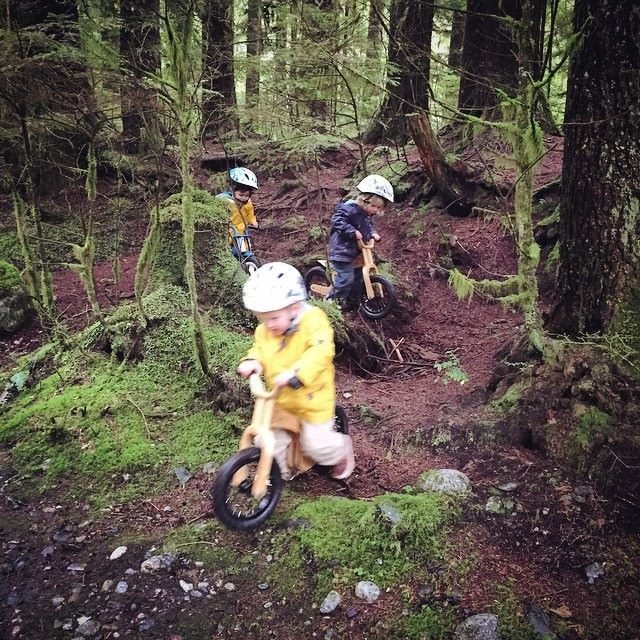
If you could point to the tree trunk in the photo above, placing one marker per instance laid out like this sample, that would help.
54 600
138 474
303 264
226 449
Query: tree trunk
254 49
454 59
600 210
140 50
407 88
451 188
489 57
219 105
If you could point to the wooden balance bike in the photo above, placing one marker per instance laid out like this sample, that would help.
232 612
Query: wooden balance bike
247 487
372 293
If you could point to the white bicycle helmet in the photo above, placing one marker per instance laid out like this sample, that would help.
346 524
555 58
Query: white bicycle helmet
377 185
272 287
244 176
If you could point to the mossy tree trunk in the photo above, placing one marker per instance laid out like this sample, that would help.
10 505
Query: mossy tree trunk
179 22
85 253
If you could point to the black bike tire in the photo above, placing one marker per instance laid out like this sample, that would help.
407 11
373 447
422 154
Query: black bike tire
251 260
222 483
315 274
371 308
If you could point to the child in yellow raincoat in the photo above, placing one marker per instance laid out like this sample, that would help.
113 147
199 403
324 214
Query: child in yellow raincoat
293 349
242 184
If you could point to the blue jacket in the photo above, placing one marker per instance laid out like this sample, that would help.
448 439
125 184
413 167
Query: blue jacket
348 217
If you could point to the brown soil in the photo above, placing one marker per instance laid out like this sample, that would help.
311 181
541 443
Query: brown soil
543 550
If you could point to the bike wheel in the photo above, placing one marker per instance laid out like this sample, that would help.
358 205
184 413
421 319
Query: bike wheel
383 301
341 420
235 506
251 264
317 282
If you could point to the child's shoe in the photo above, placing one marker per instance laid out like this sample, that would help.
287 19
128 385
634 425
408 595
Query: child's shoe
345 467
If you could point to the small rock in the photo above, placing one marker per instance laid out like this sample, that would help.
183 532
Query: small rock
594 571
483 626
331 601
186 586
76 566
106 585
121 587
368 591
89 628
47 551
263 586
183 474
229 586
155 563
145 625
118 552
57 601
508 487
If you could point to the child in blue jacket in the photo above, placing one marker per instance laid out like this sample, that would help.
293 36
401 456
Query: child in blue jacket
352 221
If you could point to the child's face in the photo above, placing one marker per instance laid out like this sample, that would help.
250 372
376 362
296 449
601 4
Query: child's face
278 322
242 194
371 204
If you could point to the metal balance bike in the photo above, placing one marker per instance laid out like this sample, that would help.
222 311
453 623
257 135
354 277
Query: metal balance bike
247 487
372 293
242 250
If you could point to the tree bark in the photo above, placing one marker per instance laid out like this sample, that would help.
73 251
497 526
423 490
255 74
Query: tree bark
599 265
454 59
219 105
407 90
140 50
489 56
254 49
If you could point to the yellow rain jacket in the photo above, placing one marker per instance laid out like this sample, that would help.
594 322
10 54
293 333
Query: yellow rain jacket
308 351
243 216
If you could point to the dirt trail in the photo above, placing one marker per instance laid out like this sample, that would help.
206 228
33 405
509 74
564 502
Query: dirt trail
417 420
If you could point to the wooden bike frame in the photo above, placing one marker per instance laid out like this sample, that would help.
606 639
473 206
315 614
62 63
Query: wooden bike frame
261 425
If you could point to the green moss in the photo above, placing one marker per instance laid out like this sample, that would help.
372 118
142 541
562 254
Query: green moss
9 246
508 401
434 623
594 421
96 422
350 540
202 437
9 277
512 613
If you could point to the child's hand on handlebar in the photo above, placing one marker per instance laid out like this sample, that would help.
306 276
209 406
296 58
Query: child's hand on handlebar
247 367
283 378
376 237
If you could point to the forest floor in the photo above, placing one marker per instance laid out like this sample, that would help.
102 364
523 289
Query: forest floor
406 416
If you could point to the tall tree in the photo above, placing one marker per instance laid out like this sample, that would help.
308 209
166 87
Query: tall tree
219 103
410 27
489 56
254 49
599 265
140 51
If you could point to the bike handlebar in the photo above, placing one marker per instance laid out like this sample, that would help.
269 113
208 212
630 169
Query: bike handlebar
258 389
366 245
